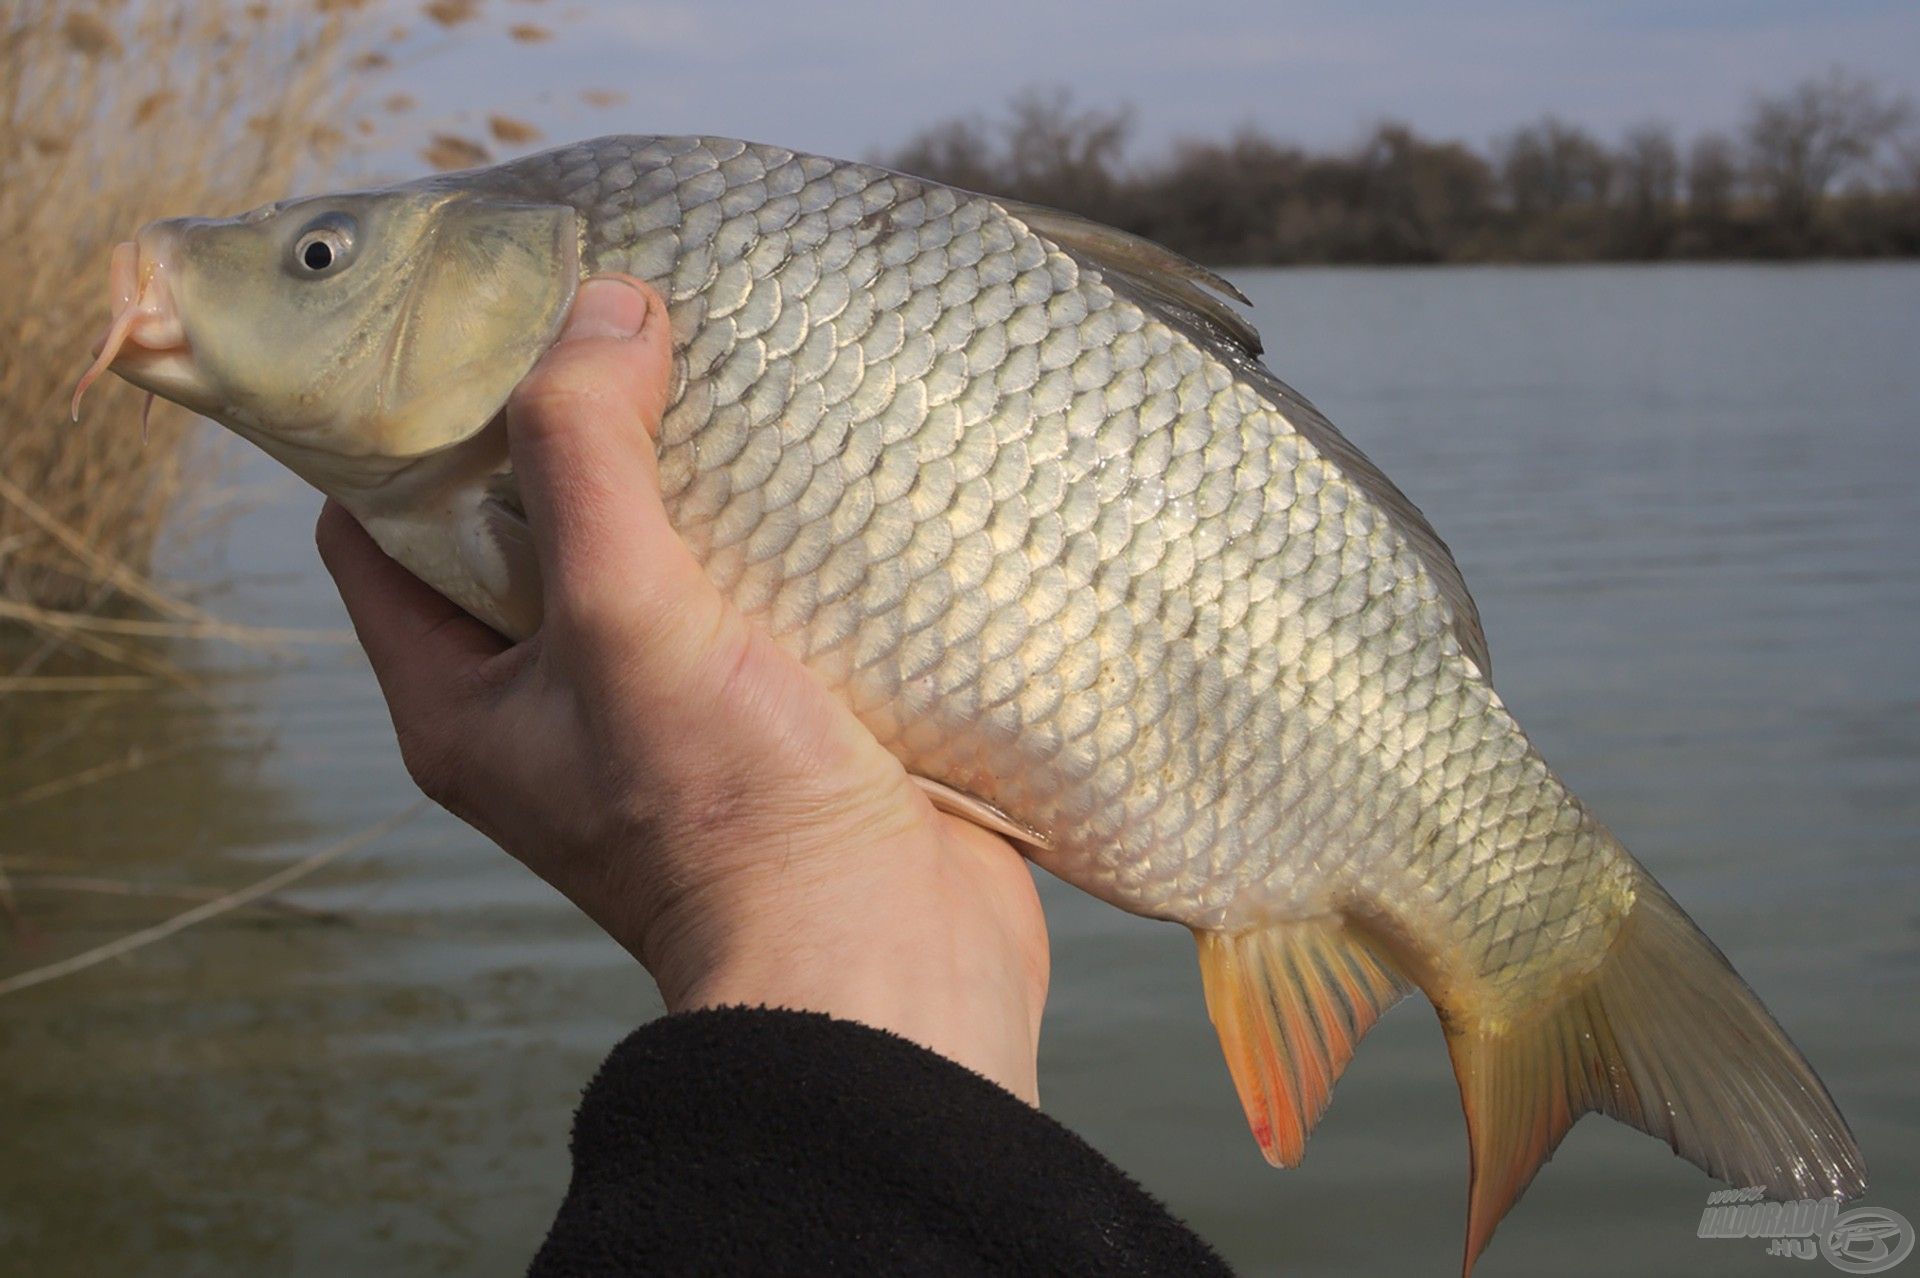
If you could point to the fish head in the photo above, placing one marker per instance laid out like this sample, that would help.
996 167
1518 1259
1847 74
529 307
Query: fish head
348 335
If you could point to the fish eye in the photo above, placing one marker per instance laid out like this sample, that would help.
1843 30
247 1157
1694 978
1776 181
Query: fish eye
325 246
319 252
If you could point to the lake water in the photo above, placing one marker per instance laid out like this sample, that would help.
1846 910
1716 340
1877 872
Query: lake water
1687 501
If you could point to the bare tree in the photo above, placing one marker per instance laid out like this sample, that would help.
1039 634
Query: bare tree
1713 173
1045 150
1906 166
957 152
1800 142
1552 165
1649 169
1222 201
1417 194
1547 191
1060 155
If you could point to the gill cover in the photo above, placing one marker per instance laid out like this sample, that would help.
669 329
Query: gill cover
488 289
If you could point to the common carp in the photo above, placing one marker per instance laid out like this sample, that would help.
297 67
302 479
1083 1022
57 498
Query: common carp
1016 486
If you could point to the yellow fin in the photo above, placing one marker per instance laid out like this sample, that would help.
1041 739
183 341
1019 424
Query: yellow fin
1665 1036
1290 1002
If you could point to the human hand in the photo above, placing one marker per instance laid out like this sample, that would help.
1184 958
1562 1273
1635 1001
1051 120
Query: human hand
654 756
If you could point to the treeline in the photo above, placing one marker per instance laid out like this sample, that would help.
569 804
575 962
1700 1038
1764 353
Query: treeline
1828 168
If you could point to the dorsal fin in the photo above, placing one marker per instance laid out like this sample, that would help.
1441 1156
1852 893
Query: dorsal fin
1174 281
1176 291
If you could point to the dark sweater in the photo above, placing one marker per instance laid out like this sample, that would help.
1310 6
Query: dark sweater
751 1141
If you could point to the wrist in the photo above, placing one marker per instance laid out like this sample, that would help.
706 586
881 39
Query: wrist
973 1017
910 946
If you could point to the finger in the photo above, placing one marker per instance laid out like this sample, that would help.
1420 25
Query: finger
423 648
581 427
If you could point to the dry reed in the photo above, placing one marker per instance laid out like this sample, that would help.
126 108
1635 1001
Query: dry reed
213 907
113 113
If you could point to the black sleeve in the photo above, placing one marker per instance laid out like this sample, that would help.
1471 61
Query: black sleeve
774 1142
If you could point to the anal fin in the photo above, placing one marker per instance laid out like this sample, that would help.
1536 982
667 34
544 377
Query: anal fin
1290 1003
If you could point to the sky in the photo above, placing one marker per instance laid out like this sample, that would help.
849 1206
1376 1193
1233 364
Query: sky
849 77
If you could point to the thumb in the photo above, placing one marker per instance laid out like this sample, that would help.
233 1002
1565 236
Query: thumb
581 429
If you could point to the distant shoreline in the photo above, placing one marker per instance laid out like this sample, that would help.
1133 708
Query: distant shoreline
1517 264
1825 170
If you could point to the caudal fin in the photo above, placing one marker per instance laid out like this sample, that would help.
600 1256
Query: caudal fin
1663 1035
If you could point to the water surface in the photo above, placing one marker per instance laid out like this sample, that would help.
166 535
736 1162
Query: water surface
1686 500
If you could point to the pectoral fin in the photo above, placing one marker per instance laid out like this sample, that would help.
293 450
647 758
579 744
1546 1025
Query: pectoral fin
983 814
497 547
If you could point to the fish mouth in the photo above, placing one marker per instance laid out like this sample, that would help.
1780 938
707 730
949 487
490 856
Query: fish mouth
145 341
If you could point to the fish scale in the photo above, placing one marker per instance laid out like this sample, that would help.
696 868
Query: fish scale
1017 489
1032 424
